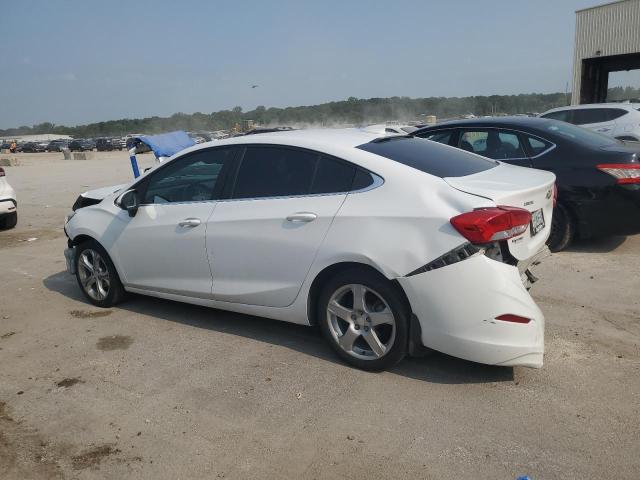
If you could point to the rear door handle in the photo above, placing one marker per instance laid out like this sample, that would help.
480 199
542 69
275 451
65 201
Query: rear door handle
302 217
189 222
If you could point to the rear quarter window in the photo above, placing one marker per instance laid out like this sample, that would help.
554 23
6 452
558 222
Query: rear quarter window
429 157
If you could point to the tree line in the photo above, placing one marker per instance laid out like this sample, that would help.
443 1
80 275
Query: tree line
351 111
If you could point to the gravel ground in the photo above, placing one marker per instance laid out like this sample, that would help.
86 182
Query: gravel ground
161 390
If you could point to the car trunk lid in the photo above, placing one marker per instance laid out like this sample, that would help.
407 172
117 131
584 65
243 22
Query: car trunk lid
516 187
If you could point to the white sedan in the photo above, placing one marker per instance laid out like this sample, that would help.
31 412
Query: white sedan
391 245
8 203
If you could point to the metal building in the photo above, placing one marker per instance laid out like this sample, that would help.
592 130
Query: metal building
607 40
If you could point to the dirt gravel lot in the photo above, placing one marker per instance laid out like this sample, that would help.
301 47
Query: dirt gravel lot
160 390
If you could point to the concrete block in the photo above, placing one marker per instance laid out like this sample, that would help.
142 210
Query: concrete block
11 161
77 155
82 155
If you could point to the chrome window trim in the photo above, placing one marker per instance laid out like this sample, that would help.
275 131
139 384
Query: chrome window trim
377 182
177 203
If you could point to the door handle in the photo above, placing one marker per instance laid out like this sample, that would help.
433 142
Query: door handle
302 217
189 222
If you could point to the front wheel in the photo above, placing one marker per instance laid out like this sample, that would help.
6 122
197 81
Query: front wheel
365 320
97 276
9 221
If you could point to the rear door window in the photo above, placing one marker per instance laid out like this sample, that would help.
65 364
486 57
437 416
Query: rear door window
584 116
615 113
332 176
492 143
274 172
427 156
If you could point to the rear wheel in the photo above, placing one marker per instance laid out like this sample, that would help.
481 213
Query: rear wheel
365 320
562 229
97 276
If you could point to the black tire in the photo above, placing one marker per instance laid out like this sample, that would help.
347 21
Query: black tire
9 221
377 286
115 293
562 229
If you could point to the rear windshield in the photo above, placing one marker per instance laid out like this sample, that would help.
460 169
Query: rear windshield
429 157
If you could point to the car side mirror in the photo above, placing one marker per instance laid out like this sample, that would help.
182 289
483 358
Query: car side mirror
129 201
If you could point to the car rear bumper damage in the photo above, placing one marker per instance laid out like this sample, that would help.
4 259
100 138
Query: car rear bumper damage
462 322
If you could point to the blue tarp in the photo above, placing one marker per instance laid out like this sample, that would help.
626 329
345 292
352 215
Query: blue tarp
167 144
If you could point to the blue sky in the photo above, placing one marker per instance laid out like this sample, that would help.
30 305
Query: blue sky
80 61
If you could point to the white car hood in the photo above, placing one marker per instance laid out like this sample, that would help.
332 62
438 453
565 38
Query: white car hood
100 193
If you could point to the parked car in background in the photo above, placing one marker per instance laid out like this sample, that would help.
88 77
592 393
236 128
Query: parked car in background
598 177
81 145
32 147
118 143
383 129
104 145
387 243
258 130
108 144
399 129
57 145
8 203
617 120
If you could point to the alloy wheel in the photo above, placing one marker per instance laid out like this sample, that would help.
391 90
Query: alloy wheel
94 274
361 322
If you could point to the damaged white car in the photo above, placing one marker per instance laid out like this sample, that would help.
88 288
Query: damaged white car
8 203
391 245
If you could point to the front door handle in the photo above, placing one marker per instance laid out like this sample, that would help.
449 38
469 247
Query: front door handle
189 222
303 217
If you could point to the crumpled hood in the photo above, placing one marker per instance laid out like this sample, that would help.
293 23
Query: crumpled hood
100 193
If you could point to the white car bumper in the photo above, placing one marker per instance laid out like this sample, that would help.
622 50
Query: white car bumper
7 206
457 306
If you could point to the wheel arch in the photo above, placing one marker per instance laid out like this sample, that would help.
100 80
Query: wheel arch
78 239
328 272
84 237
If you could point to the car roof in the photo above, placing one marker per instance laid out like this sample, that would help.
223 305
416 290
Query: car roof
626 106
339 143
311 138
506 122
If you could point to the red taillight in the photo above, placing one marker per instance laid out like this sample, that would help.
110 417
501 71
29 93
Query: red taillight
486 225
510 317
624 173
2 172
555 194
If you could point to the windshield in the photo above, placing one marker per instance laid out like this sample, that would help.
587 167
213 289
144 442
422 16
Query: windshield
579 134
